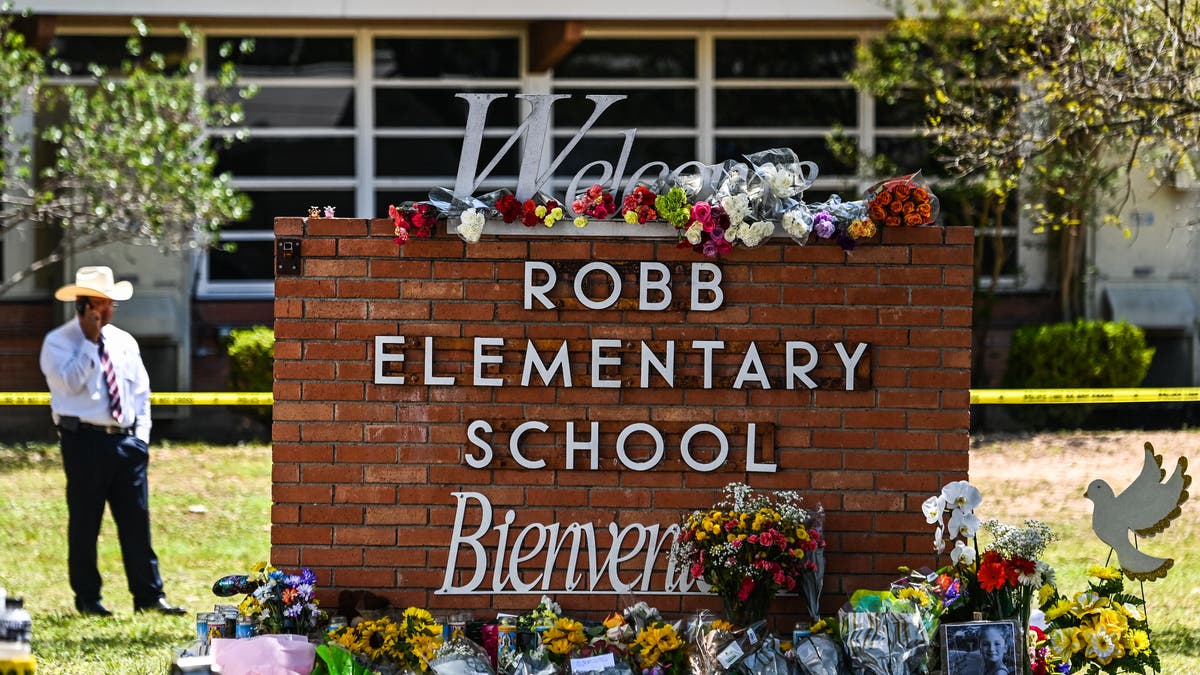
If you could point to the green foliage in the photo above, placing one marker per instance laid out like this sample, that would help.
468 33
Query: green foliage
1060 98
251 358
1083 354
124 156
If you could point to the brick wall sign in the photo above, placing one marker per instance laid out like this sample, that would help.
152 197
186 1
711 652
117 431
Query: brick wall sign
469 427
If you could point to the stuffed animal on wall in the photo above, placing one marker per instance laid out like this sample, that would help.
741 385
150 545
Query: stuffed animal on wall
1146 508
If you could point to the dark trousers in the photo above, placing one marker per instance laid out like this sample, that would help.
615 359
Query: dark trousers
103 468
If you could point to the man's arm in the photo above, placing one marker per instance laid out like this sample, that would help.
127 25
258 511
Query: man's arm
141 388
68 368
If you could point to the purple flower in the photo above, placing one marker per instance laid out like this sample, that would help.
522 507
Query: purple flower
293 611
710 249
823 225
307 576
718 232
1063 668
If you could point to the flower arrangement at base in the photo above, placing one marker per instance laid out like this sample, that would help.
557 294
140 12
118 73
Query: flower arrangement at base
564 638
282 602
749 546
1100 630
658 649
388 646
1002 582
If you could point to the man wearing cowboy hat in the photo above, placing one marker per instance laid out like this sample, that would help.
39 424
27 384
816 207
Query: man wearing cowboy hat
100 402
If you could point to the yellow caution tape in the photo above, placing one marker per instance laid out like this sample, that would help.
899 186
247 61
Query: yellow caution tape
1131 395
978 396
156 398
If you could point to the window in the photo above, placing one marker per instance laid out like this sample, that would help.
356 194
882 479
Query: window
301 149
361 122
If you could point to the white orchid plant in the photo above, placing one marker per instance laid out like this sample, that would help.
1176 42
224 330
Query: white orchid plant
958 500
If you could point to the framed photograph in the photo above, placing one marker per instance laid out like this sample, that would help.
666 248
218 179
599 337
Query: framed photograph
981 648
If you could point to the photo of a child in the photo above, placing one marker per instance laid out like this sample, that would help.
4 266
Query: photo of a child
980 648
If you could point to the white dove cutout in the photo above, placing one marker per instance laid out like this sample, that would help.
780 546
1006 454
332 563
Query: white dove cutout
1146 508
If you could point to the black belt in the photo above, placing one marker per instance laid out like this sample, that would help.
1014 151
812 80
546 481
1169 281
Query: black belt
73 424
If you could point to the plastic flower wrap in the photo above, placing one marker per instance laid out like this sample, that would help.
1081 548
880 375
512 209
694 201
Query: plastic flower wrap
280 602
882 634
783 177
637 208
460 656
797 221
750 545
902 201
817 654
392 646
596 204
471 225
715 647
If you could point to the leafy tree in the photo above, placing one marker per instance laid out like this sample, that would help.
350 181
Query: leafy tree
1060 99
125 157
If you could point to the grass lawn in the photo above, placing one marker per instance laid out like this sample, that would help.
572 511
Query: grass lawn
211 517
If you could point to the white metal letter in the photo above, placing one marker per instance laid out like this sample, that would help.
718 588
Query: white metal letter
457 539
560 363
850 362
581 276
473 436
800 372
712 285
686 450
708 346
662 284
481 359
658 447
593 446
599 361
539 291
665 369
514 444
382 357
430 378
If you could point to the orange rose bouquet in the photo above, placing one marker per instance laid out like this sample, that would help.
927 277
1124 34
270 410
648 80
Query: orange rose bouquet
904 201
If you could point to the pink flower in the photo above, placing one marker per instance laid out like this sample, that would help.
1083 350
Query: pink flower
697 571
702 212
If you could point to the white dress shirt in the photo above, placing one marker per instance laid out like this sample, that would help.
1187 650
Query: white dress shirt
73 372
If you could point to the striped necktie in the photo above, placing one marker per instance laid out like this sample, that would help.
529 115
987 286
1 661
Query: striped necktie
110 376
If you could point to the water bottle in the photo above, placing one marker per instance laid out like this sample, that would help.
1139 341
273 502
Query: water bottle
16 629
17 624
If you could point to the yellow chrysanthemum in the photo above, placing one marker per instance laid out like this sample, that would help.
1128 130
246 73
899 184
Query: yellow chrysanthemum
540 212
1136 642
1045 593
1058 609
722 624
631 217
1104 573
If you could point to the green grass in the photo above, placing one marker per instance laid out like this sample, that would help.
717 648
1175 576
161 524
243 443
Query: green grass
1038 477
210 513
1044 477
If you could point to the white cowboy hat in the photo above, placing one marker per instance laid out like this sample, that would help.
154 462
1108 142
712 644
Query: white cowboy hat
95 282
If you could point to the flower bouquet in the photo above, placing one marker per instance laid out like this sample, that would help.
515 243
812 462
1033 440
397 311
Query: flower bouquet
902 201
658 649
278 602
413 221
637 208
748 547
596 203
1100 630
389 646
